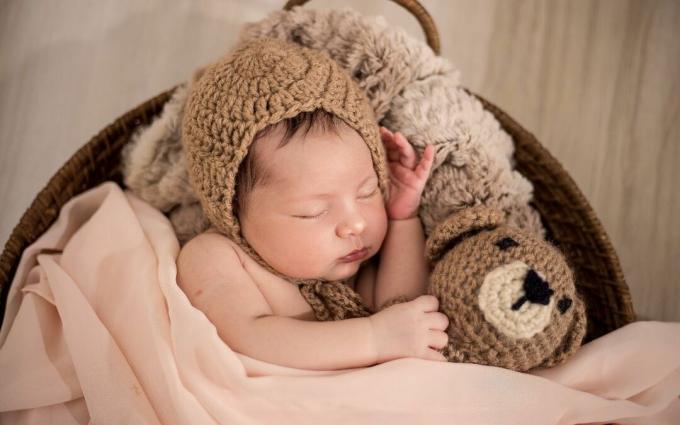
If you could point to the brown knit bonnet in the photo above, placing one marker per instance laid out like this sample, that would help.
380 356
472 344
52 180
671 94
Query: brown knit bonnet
262 83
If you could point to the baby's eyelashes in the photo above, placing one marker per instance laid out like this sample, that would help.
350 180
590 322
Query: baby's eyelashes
311 216
308 217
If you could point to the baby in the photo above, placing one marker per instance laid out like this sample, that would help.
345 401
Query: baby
285 155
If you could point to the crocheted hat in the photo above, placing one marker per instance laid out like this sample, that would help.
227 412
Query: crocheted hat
260 83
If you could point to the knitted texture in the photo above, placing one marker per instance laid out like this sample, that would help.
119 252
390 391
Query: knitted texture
510 297
334 301
467 223
261 83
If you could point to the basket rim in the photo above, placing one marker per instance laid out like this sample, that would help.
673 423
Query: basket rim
560 173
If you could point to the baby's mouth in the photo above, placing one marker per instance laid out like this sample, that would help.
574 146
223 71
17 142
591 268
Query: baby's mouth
357 254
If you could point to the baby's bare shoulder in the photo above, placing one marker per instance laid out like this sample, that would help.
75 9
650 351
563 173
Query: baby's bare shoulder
211 240
211 274
208 257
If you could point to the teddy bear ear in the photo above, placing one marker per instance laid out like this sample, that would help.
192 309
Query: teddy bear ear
197 74
458 226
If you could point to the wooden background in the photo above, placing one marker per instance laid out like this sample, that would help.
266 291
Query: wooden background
597 81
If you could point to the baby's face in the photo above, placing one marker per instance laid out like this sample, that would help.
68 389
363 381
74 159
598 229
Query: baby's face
323 202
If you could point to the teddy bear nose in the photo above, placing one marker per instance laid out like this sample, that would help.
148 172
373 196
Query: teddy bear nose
536 290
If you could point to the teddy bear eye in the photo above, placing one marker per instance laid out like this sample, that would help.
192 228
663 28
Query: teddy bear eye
506 243
564 304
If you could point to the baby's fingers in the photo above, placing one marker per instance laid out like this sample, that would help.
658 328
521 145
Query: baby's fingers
408 154
422 171
433 355
390 147
438 321
398 148
438 339
404 176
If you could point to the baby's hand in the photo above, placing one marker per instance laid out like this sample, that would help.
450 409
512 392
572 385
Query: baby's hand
412 329
407 175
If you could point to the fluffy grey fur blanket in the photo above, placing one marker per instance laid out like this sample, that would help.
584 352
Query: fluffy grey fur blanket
412 90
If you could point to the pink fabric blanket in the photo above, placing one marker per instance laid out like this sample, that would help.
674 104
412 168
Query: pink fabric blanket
96 330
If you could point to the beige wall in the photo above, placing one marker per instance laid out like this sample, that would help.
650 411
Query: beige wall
596 81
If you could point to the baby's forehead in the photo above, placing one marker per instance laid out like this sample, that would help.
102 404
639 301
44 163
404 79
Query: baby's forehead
313 155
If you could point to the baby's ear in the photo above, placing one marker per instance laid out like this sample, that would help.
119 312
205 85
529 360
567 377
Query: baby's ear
458 226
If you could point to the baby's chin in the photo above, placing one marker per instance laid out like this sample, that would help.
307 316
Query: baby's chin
346 270
339 271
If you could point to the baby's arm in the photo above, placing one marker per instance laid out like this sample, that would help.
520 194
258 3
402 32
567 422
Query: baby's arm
213 278
340 344
403 268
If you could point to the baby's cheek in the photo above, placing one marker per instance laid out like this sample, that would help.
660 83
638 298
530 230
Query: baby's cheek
300 255
314 242
380 225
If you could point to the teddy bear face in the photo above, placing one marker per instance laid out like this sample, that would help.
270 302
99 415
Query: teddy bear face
504 290
526 286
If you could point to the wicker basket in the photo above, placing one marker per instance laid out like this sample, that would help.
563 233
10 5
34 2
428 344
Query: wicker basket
569 220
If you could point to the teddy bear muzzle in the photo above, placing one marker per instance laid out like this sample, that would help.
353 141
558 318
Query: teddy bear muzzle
517 300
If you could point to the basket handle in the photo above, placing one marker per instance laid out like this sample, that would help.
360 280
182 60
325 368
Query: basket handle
416 9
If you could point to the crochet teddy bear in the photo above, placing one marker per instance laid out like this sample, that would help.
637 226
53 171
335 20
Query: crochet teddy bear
510 296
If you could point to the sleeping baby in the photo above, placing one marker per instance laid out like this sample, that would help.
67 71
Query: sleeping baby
301 186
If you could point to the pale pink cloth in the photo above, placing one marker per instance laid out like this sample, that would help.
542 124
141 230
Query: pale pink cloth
97 330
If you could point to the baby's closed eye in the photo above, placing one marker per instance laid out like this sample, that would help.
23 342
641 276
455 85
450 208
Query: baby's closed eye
313 215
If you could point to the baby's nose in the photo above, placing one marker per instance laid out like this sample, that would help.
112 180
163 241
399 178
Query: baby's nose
353 228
